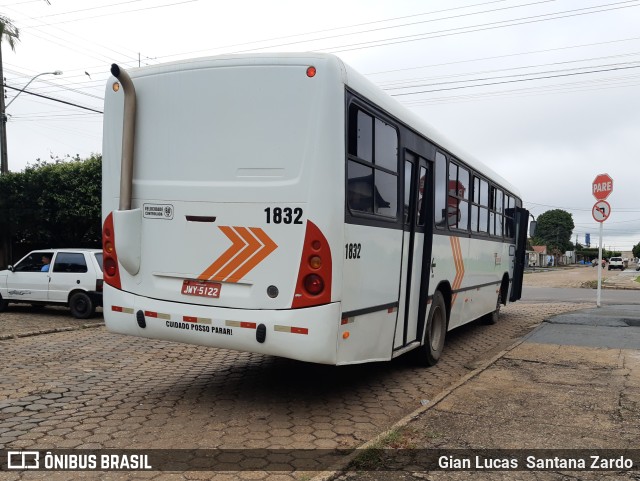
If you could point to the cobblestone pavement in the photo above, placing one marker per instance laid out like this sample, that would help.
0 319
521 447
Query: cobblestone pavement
91 389
22 321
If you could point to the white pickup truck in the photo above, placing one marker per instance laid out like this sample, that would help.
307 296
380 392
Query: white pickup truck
616 263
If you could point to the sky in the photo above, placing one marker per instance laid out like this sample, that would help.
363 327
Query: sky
545 92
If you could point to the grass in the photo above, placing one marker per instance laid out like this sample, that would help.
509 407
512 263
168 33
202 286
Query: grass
373 457
590 285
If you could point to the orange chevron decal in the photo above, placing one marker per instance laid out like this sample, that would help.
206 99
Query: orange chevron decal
267 247
459 265
249 247
237 244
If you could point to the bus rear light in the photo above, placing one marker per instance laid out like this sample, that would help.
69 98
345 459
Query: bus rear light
313 287
311 72
313 284
315 262
111 272
110 267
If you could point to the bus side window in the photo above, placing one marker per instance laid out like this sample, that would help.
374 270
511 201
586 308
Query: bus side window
422 193
372 165
440 214
458 198
509 221
408 177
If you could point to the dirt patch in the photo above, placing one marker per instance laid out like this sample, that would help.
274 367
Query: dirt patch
586 276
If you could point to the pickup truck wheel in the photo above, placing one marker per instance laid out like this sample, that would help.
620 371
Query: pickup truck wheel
81 306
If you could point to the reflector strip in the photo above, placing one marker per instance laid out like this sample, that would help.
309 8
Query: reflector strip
292 330
159 315
247 325
125 310
198 320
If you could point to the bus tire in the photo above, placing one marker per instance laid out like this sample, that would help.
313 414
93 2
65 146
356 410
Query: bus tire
3 304
81 305
435 332
493 316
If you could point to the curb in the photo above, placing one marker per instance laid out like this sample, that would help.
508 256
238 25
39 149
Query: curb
50 331
339 469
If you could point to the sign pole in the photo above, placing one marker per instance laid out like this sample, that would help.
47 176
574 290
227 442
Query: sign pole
598 304
601 188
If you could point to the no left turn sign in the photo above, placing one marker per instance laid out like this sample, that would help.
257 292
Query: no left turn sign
601 211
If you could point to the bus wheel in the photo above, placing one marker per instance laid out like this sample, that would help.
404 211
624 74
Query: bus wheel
436 330
3 304
492 317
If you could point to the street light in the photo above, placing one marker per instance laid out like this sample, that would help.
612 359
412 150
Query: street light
57 72
4 159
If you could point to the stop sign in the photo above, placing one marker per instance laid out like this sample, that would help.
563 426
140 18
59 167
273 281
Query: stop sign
602 186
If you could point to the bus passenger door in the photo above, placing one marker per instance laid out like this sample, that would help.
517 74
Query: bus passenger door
417 226
521 225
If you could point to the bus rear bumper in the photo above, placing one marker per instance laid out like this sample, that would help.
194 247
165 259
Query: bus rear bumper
308 334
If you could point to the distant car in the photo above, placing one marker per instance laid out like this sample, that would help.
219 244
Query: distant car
71 277
616 263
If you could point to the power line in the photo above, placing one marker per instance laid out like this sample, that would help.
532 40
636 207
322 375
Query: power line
86 9
114 13
389 84
515 81
482 79
348 34
55 100
477 28
496 57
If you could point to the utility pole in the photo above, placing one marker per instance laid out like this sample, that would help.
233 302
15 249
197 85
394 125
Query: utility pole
5 238
4 163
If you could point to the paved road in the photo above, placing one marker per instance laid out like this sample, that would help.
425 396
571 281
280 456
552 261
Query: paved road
88 388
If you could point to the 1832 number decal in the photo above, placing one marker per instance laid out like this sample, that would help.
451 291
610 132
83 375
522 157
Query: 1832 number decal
284 215
352 251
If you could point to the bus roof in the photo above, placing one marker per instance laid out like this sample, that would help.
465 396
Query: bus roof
352 79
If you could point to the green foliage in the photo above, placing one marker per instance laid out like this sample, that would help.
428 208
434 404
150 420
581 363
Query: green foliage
589 253
554 230
636 250
53 204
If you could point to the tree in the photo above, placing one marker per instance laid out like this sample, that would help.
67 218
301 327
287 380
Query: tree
555 228
636 250
10 34
53 204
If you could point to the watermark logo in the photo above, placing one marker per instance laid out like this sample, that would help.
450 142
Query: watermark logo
23 460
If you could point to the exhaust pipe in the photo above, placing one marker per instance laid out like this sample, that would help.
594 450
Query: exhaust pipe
128 133
127 222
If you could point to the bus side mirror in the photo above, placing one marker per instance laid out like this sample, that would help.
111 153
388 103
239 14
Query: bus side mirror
532 228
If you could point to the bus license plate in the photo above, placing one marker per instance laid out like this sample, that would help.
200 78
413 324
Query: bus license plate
202 289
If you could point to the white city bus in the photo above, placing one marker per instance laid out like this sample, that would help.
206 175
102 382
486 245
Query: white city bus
283 204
